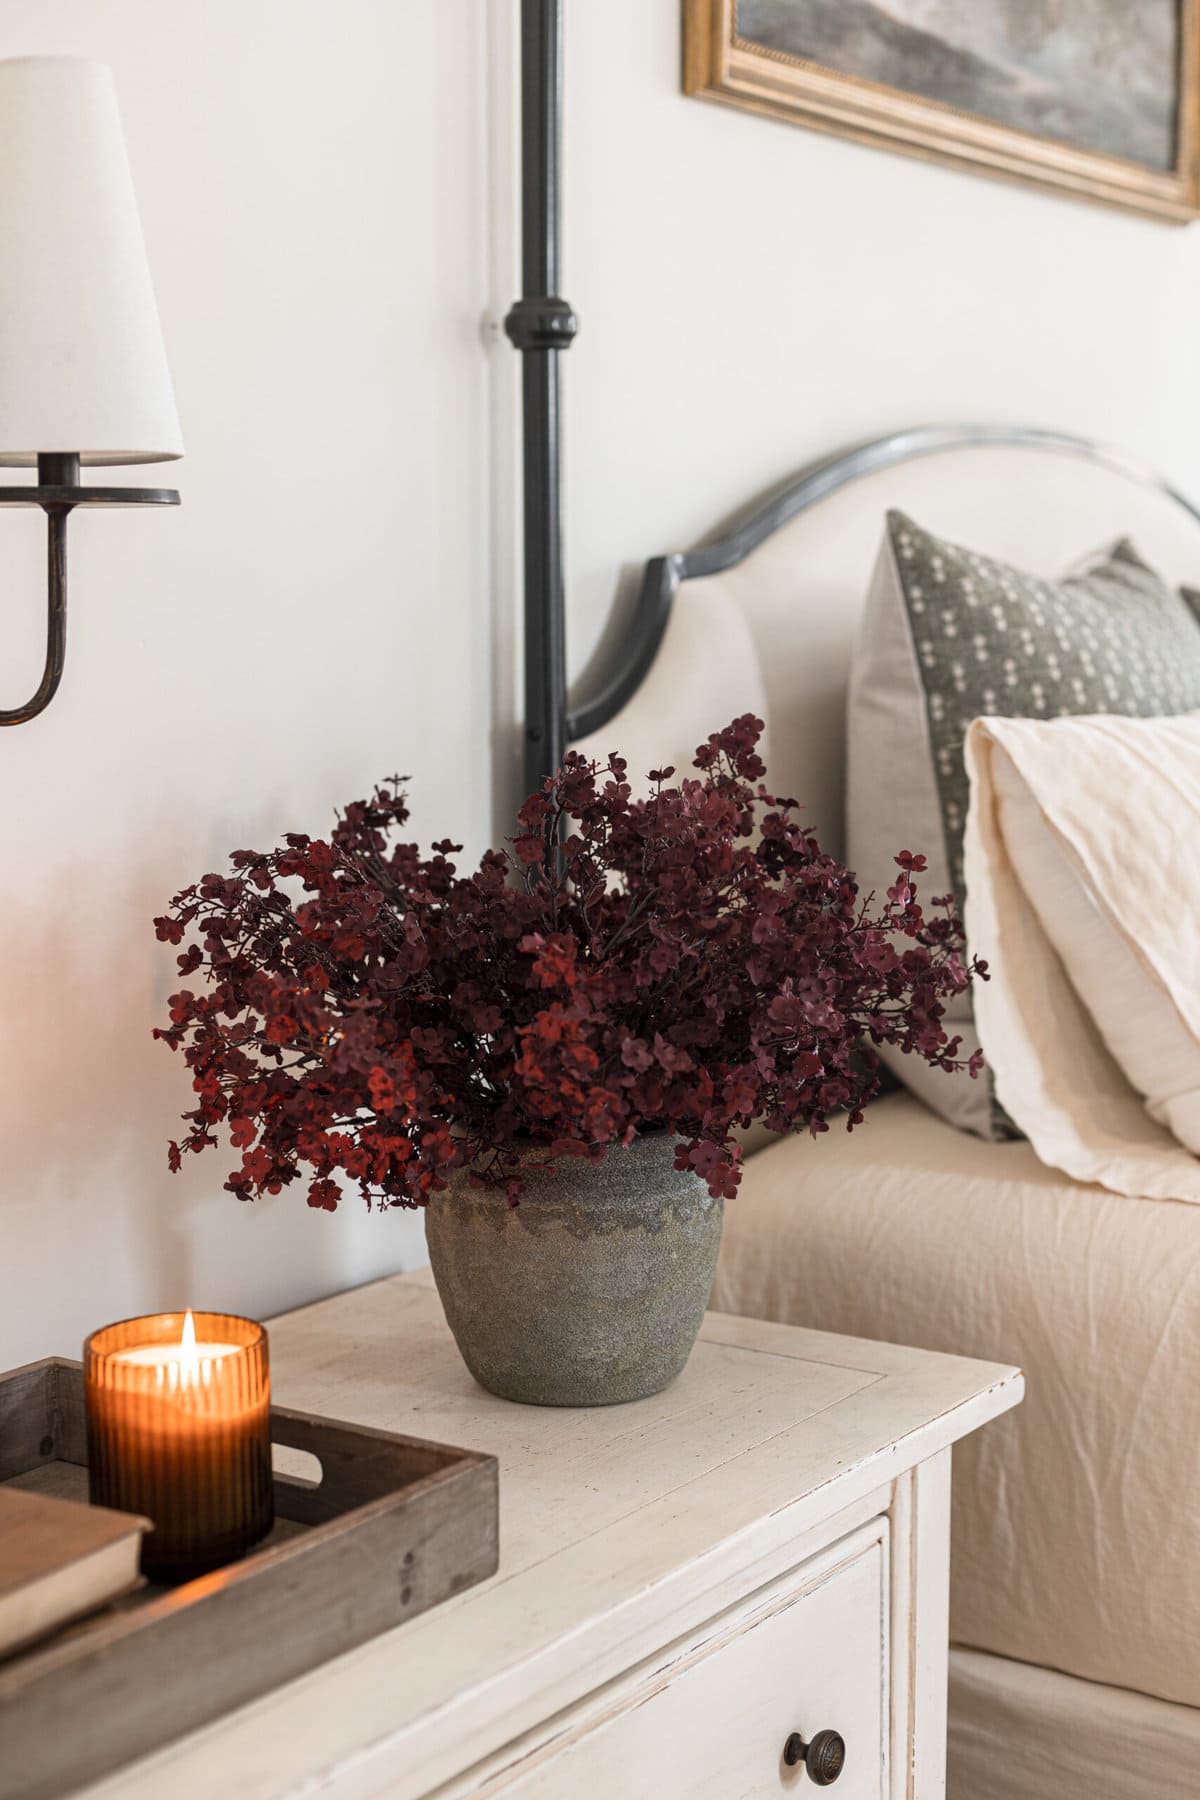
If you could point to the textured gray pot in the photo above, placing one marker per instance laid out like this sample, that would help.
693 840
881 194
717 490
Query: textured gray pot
592 1289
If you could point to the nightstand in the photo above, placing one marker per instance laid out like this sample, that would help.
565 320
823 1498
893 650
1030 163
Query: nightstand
736 1588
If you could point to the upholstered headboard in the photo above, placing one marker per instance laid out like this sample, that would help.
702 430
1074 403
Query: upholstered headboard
763 618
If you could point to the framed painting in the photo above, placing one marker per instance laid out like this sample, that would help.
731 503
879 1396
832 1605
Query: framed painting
1097 98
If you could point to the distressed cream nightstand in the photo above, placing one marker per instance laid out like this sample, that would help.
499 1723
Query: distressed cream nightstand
689 1587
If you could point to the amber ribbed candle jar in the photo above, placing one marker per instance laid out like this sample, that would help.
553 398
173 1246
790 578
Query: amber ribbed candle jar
178 1428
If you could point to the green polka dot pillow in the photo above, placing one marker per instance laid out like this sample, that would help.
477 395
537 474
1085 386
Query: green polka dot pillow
947 635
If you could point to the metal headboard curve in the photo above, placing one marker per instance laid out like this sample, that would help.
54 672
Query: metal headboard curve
663 575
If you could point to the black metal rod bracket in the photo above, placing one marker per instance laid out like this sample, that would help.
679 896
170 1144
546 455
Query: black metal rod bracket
58 493
545 323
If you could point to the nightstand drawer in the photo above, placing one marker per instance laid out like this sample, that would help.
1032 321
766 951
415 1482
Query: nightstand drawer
710 1719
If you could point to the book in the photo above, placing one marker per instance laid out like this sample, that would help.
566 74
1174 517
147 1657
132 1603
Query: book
60 1559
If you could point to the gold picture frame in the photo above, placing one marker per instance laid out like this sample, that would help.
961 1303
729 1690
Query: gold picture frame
720 65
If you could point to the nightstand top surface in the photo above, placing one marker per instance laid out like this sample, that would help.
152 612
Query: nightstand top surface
611 1518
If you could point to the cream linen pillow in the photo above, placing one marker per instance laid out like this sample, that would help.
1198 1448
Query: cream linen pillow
1134 1013
1082 858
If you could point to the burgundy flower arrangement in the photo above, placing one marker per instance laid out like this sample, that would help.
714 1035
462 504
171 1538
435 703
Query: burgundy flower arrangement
692 961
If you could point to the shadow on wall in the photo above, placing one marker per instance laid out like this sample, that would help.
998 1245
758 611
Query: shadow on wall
86 1088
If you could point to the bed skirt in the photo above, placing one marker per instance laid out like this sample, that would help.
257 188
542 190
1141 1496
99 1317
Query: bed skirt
1018 1732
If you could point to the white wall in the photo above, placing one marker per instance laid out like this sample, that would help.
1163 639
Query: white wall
327 194
753 295
312 181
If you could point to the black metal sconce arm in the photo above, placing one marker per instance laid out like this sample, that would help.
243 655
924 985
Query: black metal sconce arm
58 493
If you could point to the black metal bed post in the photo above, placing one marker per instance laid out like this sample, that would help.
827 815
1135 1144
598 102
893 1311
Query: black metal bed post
542 325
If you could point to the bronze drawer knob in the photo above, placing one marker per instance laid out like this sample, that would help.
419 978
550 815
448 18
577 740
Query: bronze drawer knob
824 1757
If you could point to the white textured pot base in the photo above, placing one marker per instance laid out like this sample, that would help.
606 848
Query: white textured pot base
589 1292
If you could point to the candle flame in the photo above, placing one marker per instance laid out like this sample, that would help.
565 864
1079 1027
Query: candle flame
189 1362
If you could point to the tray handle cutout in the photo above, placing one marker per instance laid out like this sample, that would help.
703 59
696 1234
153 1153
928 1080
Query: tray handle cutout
298 1468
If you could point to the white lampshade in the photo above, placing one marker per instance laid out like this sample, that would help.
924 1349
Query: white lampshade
82 364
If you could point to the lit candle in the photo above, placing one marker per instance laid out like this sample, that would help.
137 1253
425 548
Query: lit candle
178 1426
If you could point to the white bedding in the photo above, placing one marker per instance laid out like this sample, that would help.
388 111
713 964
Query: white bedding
1076 1518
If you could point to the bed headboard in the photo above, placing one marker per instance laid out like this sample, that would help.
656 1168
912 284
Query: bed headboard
762 618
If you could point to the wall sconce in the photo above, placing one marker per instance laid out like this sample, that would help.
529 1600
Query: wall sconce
83 371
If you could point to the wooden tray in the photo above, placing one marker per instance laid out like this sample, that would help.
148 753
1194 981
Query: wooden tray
394 1525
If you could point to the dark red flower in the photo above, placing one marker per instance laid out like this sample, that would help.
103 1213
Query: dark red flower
691 961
